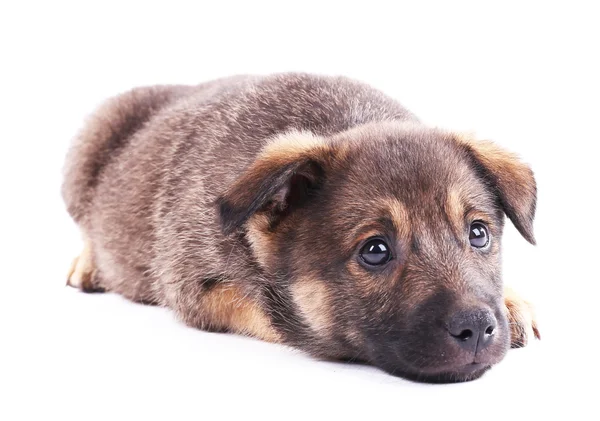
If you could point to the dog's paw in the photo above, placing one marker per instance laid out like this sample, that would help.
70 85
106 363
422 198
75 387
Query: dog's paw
521 319
82 274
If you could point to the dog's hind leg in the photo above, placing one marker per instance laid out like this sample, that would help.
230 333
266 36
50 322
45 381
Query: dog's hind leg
83 273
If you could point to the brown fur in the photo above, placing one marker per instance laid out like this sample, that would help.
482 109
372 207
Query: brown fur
242 204
512 179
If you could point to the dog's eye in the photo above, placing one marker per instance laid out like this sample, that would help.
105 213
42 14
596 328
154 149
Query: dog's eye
478 235
375 252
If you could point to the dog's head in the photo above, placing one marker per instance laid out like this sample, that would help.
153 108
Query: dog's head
382 244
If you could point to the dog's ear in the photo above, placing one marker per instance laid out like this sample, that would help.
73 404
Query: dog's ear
512 180
283 176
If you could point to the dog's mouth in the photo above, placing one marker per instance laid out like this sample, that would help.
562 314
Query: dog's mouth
472 367
456 372
466 373
460 374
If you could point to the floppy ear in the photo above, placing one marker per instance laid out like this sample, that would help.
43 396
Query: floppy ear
512 179
283 176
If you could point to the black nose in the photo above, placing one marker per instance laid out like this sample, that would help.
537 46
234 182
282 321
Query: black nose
473 329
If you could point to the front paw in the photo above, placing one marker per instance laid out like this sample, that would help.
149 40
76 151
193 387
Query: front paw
521 319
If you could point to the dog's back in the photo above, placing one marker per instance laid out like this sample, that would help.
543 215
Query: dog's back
110 128
155 154
241 112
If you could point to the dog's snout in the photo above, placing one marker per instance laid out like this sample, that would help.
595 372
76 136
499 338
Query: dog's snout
473 329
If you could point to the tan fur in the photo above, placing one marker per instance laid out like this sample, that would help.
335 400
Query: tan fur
521 318
312 298
390 208
456 209
226 307
501 162
262 242
291 145
82 269
399 215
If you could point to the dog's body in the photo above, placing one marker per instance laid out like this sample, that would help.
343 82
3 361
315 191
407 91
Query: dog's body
245 205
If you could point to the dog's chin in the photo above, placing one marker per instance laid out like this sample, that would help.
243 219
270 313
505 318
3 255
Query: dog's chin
466 373
459 374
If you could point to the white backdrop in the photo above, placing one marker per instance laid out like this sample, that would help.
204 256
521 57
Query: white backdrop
524 74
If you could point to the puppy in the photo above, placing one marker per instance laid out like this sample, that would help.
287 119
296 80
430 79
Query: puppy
305 210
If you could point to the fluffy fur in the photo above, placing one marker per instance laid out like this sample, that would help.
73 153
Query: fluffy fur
242 204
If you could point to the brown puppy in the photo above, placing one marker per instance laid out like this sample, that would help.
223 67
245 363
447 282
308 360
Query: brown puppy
311 211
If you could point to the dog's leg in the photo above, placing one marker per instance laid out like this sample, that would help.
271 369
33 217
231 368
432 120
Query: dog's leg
223 307
83 274
521 319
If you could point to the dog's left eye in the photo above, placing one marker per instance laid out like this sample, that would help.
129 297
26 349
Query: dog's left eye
375 252
478 235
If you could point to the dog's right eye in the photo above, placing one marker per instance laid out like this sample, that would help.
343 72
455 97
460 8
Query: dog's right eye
375 252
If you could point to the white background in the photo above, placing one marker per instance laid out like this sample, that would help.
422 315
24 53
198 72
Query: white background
524 74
